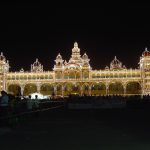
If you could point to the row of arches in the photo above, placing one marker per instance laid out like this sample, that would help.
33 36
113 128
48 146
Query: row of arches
114 75
72 75
77 88
29 77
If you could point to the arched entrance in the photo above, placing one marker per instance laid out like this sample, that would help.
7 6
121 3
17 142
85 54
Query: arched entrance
72 89
133 88
68 89
85 89
59 89
29 88
77 75
66 76
116 88
98 89
72 75
46 89
76 89
15 89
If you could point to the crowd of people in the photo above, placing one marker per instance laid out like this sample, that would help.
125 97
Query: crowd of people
10 104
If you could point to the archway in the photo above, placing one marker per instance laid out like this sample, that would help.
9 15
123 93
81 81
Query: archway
85 74
68 88
133 88
116 88
76 89
72 75
46 89
95 89
59 89
30 88
85 89
66 75
77 75
98 89
15 89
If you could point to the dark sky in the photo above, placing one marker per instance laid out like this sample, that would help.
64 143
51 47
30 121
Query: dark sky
35 30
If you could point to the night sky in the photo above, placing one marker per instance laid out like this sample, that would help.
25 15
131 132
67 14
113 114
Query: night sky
35 30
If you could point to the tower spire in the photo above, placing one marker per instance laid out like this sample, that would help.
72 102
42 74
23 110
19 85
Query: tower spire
75 45
146 49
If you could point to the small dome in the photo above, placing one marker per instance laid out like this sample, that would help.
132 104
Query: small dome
65 63
59 56
36 67
36 63
85 56
21 70
106 68
124 67
146 52
2 57
115 64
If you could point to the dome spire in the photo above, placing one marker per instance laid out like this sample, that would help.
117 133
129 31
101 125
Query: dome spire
146 52
75 45
146 49
36 59
2 57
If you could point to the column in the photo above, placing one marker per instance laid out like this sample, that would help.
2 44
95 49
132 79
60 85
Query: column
89 90
63 75
4 83
124 88
62 91
81 75
107 89
81 89
55 90
89 75
22 89
38 88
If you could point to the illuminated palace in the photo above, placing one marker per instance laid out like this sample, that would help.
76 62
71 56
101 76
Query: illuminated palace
77 77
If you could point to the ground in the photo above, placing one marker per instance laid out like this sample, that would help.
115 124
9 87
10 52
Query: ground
81 130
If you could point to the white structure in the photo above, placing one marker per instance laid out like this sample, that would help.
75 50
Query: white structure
77 77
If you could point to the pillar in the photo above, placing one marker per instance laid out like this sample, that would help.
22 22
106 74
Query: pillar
55 90
124 88
107 89
89 90
22 89
38 88
81 89
62 91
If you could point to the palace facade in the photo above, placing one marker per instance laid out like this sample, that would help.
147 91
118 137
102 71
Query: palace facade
77 77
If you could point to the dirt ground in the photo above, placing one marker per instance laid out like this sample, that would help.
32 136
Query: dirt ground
81 130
